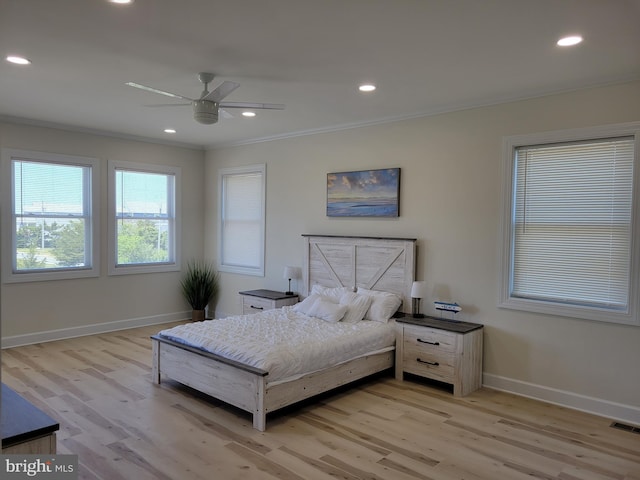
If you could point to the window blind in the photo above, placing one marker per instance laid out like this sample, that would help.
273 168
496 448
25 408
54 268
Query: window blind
572 222
52 200
242 220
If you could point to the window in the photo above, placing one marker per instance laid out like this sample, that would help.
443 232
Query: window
51 212
570 243
142 218
242 219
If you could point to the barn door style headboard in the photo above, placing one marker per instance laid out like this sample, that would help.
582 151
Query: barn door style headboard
374 263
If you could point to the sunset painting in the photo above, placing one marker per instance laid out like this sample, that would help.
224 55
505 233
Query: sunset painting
367 193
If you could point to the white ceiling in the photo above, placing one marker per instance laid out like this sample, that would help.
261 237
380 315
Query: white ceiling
426 56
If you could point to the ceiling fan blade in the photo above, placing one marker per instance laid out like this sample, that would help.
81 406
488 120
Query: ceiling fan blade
260 106
221 91
155 90
168 105
225 114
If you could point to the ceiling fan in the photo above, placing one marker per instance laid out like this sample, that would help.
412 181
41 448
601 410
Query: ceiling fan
206 108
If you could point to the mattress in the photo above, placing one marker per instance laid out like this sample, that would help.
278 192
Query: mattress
283 342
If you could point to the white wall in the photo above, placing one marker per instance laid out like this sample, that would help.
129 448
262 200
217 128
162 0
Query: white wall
43 310
450 201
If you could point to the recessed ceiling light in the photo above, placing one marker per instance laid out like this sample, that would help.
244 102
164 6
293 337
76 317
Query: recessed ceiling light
121 2
569 41
18 60
169 130
249 114
367 87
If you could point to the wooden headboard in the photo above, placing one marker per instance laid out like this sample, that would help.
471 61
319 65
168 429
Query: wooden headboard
375 263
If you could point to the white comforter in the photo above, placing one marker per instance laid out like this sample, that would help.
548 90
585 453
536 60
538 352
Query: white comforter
283 342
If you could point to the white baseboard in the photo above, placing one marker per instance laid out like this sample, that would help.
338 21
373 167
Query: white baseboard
64 333
596 406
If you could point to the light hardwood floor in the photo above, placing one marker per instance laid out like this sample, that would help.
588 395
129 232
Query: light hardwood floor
124 427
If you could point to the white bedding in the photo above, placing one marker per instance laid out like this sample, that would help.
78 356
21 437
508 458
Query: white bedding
283 342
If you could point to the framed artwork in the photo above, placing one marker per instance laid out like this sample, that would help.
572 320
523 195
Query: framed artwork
366 193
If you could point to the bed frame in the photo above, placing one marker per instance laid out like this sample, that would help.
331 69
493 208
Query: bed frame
386 264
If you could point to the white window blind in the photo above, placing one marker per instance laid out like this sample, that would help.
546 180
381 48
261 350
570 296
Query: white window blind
572 223
50 216
54 200
242 220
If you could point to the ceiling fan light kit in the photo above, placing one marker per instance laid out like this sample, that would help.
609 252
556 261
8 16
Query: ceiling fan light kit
206 109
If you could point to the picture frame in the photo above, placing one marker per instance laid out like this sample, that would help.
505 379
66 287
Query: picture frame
364 193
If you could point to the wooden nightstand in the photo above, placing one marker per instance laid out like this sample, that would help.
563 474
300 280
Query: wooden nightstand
254 301
443 350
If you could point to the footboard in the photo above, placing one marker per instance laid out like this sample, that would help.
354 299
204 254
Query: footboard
239 385
283 394
246 387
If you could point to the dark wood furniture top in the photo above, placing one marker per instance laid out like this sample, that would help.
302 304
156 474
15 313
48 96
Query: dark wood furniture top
270 294
440 323
22 421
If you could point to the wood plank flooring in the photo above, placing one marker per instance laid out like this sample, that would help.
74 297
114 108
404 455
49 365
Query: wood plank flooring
123 427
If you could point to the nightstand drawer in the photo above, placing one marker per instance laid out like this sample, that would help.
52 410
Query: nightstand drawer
437 366
430 340
256 304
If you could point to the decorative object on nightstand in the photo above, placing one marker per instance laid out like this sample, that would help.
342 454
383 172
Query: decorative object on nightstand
443 350
418 292
200 286
289 273
452 308
254 301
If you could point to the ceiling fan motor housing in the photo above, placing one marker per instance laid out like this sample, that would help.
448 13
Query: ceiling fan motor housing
205 111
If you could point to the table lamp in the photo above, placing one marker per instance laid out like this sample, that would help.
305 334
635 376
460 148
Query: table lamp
418 292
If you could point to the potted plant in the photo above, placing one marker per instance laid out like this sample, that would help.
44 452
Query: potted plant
200 287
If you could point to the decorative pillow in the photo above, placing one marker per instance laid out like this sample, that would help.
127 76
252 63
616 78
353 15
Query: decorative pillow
333 293
383 305
357 306
327 310
305 305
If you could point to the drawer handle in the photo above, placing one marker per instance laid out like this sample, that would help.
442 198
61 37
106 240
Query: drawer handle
435 364
257 308
430 343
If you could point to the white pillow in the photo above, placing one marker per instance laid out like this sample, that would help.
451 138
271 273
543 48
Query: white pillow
333 293
357 306
305 305
383 305
327 310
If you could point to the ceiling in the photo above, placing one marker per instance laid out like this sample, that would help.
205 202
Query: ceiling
425 56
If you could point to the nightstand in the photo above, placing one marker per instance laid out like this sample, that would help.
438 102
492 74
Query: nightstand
254 301
443 350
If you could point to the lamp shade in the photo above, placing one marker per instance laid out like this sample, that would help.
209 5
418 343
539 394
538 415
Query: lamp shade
419 289
290 272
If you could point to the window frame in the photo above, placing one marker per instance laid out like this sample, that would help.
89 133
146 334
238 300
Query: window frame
174 210
630 316
259 271
92 197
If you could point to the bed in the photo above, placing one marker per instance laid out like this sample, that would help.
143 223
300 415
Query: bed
366 264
